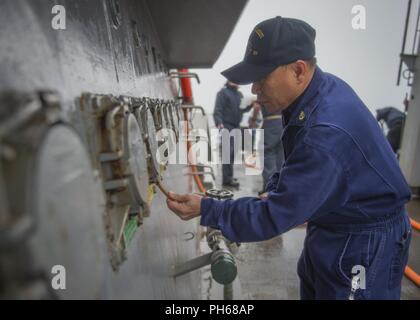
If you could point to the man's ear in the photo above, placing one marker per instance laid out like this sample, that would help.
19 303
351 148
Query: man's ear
300 69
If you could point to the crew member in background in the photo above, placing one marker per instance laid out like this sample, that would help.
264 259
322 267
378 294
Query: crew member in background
228 115
394 120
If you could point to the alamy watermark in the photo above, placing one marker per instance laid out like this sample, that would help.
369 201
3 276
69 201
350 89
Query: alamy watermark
58 21
239 147
358 21
358 280
359 272
58 281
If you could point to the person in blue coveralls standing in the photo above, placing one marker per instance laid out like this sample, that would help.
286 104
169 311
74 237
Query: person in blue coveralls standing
228 115
340 174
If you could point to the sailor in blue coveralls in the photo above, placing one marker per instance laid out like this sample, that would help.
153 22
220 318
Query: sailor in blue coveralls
340 174
228 115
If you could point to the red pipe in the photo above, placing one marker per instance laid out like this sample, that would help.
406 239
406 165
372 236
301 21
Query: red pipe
410 273
188 99
186 88
415 224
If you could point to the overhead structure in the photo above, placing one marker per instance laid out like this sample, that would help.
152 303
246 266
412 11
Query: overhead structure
193 33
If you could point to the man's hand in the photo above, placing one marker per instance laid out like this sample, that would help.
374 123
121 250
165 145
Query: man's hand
220 126
185 206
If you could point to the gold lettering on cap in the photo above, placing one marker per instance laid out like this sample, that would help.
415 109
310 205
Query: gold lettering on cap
259 33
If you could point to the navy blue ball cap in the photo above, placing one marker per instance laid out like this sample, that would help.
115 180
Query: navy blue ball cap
273 43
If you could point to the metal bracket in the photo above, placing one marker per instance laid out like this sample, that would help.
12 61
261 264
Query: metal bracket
21 113
195 108
207 167
192 265
409 60
183 75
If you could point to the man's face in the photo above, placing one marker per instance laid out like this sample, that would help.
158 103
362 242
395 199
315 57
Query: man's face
278 90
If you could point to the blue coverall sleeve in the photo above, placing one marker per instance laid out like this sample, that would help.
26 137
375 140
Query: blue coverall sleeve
218 109
311 183
246 109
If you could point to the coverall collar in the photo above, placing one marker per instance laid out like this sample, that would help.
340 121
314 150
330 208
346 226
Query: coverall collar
298 112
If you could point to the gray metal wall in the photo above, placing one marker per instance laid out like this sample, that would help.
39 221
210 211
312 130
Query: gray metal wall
93 55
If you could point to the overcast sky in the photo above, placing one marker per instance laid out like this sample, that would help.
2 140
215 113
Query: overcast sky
366 59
